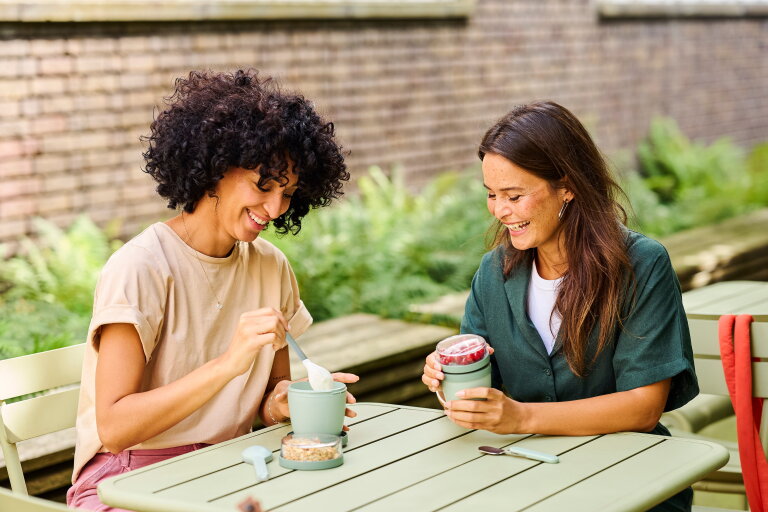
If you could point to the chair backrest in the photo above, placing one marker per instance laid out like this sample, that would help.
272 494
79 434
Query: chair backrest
52 379
709 368
15 502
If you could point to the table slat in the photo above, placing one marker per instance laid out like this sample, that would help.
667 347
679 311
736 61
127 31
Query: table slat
652 481
389 479
543 480
298 484
453 486
242 478
175 471
705 338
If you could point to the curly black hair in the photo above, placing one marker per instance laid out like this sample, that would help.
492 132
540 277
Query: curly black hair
218 121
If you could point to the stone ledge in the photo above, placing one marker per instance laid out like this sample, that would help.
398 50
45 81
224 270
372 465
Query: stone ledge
199 10
681 8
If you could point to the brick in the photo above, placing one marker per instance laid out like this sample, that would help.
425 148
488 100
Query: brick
59 143
55 65
13 148
139 62
15 168
14 128
47 86
98 177
14 88
9 67
10 109
134 81
48 124
93 101
102 120
93 63
60 182
15 188
49 164
55 203
47 47
99 45
14 48
102 195
56 104
139 44
18 207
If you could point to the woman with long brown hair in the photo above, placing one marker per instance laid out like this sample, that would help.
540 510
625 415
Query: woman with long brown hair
584 316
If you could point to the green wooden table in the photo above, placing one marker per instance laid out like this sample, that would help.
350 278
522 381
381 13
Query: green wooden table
410 458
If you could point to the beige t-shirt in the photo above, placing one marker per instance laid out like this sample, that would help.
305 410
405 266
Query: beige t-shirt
156 283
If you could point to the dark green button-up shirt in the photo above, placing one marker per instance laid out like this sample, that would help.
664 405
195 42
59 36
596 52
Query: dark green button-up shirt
653 345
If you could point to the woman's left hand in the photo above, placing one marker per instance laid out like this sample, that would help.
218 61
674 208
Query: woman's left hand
497 413
347 378
280 399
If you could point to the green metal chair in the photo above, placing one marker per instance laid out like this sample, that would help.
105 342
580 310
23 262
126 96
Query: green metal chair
15 502
709 370
49 385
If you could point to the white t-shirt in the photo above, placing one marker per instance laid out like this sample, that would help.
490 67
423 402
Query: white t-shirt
156 283
542 294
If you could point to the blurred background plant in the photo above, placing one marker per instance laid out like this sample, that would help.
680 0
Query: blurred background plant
48 287
383 246
679 184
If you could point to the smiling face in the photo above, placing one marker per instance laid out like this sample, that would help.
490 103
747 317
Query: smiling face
527 205
244 209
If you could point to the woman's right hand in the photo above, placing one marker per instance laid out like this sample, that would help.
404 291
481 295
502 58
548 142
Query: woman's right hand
255 330
433 373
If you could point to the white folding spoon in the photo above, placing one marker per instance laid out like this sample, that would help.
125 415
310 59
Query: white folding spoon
258 456
319 378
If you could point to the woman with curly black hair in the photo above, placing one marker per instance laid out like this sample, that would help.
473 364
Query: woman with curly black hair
186 345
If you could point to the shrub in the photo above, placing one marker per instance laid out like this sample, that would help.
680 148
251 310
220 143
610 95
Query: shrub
49 286
386 247
682 184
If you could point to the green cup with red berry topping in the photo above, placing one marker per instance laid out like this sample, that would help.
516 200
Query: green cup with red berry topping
466 363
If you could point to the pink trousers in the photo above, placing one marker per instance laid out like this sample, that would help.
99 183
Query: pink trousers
103 465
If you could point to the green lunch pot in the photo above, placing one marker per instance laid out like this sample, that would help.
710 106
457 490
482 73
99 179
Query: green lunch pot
458 377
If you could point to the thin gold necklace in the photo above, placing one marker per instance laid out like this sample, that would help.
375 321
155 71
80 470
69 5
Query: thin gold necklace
219 305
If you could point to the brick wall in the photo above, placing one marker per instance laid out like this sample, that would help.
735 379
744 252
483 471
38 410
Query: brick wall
74 97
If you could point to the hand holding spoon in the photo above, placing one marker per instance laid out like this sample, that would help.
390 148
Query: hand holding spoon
520 452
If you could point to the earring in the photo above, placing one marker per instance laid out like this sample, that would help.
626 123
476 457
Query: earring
562 210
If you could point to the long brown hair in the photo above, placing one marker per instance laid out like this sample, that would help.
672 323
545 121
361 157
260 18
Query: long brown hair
548 141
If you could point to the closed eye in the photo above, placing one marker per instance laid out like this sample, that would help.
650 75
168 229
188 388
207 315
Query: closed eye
510 198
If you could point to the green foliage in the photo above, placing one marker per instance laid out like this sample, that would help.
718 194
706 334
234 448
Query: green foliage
49 286
27 327
385 247
682 184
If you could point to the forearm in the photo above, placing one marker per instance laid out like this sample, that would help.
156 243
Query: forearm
271 409
636 410
137 417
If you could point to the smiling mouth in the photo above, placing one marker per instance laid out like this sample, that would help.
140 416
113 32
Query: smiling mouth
257 220
518 226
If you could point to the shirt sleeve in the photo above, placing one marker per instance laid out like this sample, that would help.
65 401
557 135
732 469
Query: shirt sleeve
130 290
654 343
